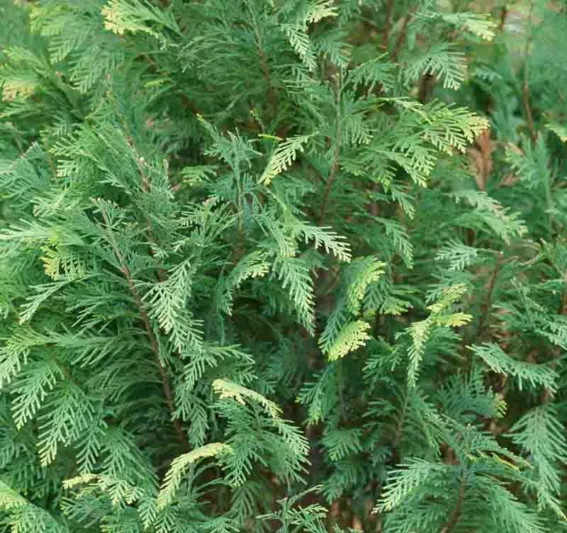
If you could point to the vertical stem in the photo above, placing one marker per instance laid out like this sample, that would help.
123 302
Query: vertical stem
385 41
426 84
401 36
399 42
399 429
149 332
239 250
503 16
146 187
456 513
526 87
387 24
341 391
336 155
488 301
272 96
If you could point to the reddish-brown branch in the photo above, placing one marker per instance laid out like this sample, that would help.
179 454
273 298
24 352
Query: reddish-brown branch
145 187
149 332
503 17
456 513
155 349
396 457
387 24
401 36
374 210
426 84
488 300
385 42
330 182
272 95
189 104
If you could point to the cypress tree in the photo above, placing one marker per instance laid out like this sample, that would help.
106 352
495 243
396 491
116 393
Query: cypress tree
283 265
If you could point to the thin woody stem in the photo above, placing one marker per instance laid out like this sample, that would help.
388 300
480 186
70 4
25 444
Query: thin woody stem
149 331
272 95
336 156
488 301
457 510
401 36
503 17
526 86
388 24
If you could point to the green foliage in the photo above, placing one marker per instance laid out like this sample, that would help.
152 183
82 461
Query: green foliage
285 265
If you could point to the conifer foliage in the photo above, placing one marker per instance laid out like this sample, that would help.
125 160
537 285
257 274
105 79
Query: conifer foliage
283 265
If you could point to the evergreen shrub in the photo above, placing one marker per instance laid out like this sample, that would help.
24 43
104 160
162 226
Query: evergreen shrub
283 265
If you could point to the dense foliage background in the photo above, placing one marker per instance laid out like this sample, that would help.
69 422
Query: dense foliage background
283 265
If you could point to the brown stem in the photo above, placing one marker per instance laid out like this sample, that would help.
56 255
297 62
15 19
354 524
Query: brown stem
503 16
426 84
456 513
329 185
149 331
145 187
399 41
401 36
563 306
239 249
388 24
155 349
374 210
488 300
272 96
189 104
396 458
378 90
